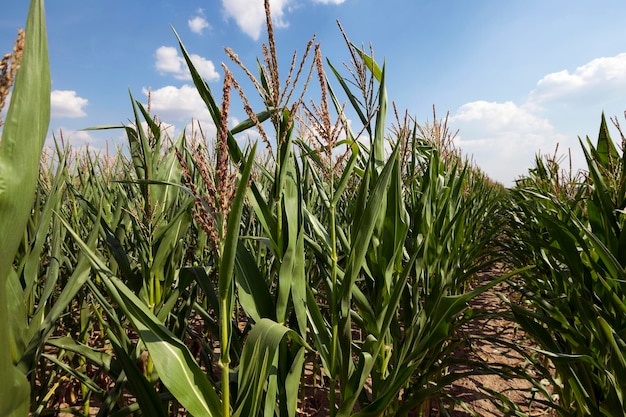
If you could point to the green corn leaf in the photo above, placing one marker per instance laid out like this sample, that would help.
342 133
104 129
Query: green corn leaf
446 308
293 383
289 274
298 284
264 84
364 229
169 237
253 293
318 230
356 383
32 263
607 153
17 338
256 363
231 240
81 377
319 331
249 123
176 367
612 265
155 144
201 86
363 232
617 347
199 275
23 136
100 359
169 171
367 361
271 406
378 142
226 279
140 149
370 63
347 173
112 242
285 156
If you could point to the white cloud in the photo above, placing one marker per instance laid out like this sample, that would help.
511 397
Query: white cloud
198 23
65 103
503 138
496 117
169 62
174 104
329 1
250 14
597 81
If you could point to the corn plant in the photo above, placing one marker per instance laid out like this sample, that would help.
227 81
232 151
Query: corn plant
577 287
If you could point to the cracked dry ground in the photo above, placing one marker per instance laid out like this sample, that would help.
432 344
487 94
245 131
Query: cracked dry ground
489 322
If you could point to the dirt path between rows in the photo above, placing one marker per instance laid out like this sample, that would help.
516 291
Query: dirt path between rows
489 322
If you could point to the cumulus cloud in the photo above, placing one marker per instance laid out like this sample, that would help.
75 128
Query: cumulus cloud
178 107
198 23
250 14
495 117
66 103
168 61
503 138
599 80
180 104
177 103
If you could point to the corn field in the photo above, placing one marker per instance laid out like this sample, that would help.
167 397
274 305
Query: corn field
217 276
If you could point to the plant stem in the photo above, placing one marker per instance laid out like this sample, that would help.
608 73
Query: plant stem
333 302
225 356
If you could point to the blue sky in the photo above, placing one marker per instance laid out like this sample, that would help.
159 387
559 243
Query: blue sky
517 77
